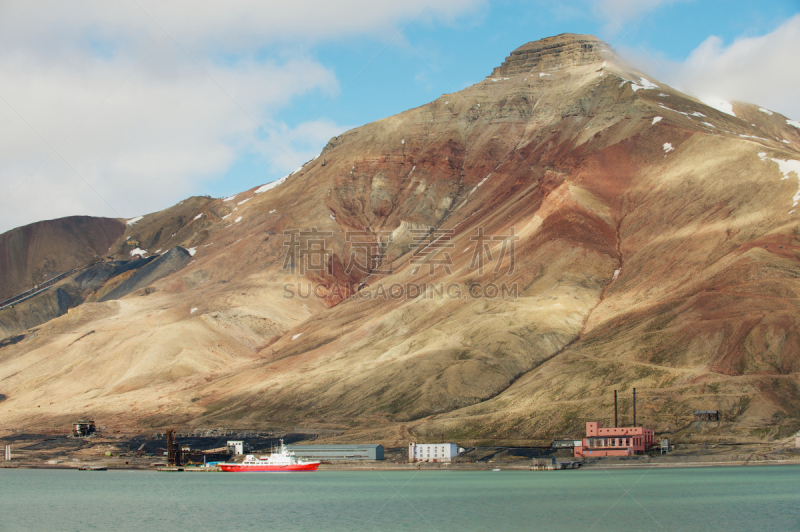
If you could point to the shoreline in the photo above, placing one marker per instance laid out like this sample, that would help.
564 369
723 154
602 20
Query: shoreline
140 452
377 466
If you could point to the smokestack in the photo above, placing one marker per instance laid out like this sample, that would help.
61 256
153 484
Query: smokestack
634 407
615 408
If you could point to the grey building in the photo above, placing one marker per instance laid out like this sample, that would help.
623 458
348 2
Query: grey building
565 444
83 428
706 415
338 452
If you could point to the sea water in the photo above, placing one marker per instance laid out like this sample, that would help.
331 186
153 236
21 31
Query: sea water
693 499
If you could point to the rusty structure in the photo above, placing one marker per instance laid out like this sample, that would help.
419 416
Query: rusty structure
81 429
616 418
173 450
706 415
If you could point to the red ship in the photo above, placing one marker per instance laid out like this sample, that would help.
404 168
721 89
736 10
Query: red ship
283 461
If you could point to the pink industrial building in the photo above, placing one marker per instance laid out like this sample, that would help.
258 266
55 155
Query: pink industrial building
619 441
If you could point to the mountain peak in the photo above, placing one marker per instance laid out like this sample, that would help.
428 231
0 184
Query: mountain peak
567 49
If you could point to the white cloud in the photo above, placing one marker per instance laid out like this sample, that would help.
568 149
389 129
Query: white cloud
147 145
232 24
760 70
172 115
244 22
302 143
621 12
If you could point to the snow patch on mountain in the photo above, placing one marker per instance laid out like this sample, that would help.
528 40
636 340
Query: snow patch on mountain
479 184
673 110
644 84
270 186
787 167
719 104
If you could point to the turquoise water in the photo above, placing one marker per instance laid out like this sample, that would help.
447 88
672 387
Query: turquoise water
729 498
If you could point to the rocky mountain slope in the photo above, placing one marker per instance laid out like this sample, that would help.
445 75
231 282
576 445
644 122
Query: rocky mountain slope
630 236
32 254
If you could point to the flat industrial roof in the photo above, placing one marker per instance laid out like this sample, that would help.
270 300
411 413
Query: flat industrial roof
335 447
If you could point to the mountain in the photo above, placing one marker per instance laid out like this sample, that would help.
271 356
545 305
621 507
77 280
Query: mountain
32 254
630 236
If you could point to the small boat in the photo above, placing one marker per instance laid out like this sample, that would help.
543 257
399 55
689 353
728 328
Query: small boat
276 462
496 469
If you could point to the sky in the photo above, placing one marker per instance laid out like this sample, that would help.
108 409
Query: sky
123 108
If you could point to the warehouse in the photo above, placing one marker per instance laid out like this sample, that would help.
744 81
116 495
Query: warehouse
338 452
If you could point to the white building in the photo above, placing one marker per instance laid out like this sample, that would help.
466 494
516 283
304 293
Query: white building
238 446
432 452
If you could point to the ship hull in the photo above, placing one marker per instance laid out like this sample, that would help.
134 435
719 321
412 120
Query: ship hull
236 468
